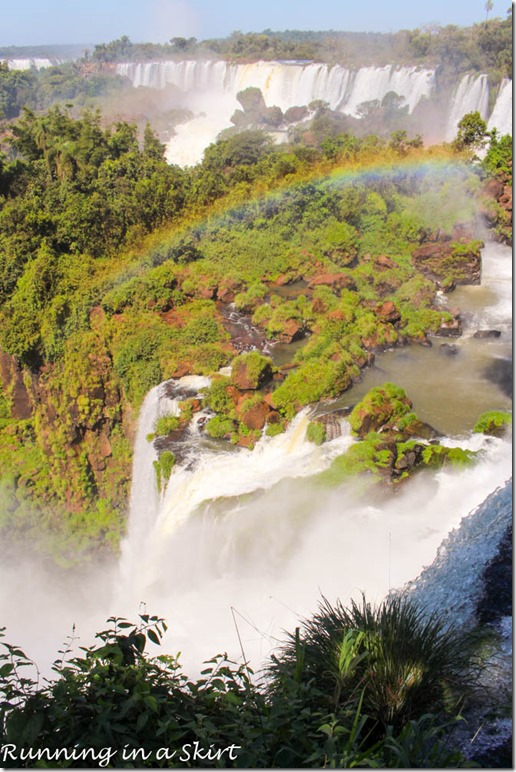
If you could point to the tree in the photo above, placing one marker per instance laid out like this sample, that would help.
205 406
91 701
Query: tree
472 130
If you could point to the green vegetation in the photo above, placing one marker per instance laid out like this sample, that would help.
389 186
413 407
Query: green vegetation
393 443
493 422
115 267
166 424
376 687
220 427
316 432
250 370
163 467
484 47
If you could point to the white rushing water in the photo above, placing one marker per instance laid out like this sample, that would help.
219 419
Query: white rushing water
501 117
250 531
471 95
209 89
33 63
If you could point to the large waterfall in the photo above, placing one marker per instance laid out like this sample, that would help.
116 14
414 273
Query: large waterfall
286 83
209 89
471 95
501 117
250 531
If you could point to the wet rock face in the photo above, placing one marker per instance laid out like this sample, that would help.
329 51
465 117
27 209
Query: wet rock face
11 377
331 423
448 349
500 371
487 334
496 599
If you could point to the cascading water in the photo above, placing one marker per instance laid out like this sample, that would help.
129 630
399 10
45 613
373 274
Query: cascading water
210 88
253 532
501 117
33 64
285 84
471 95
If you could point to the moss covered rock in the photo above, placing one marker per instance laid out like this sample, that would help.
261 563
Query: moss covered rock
250 370
381 409
494 423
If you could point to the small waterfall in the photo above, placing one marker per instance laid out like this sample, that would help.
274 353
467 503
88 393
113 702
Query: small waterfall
501 117
144 501
33 64
373 83
471 95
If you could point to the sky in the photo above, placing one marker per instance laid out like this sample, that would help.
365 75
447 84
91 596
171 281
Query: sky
34 22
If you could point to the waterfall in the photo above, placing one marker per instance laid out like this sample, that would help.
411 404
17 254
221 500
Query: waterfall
471 95
33 64
209 89
285 84
253 530
501 117
373 83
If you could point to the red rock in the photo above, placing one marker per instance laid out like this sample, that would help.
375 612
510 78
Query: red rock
292 330
337 280
255 417
388 312
104 445
318 306
382 261
234 393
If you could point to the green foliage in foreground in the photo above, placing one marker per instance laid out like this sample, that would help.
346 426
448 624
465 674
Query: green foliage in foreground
358 686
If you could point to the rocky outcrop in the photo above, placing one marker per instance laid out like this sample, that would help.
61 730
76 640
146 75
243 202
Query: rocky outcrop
250 371
487 334
14 385
334 280
449 263
255 417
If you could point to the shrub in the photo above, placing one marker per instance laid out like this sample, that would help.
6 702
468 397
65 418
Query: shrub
220 427
163 467
217 397
494 422
250 370
394 660
316 432
166 424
